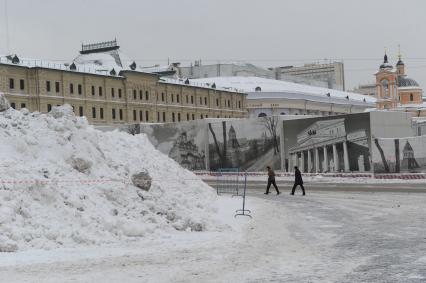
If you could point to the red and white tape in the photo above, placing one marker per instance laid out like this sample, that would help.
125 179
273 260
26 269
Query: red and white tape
404 176
54 181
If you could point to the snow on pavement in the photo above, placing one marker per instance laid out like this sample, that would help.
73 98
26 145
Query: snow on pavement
56 228
323 237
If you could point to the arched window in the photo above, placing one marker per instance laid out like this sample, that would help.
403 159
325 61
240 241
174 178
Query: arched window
262 115
258 88
282 113
411 97
385 86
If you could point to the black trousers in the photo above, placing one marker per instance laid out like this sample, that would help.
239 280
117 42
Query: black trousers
294 188
272 181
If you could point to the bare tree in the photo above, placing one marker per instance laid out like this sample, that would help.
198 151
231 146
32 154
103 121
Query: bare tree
271 124
221 154
382 155
397 159
224 142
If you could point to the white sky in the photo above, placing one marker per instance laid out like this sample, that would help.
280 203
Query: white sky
264 32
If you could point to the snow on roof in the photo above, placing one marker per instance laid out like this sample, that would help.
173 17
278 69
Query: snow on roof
158 69
421 106
99 63
198 84
87 67
409 87
389 69
275 89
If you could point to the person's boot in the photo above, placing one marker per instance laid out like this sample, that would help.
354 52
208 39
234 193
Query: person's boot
278 192
266 193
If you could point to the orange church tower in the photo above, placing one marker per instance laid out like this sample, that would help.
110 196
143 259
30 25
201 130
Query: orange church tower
394 88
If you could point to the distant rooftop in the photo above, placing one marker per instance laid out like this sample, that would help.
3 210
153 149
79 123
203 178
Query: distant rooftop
261 88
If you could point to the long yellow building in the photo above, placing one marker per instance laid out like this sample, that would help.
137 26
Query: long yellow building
107 88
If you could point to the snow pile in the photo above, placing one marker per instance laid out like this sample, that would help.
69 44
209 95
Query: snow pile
46 201
4 104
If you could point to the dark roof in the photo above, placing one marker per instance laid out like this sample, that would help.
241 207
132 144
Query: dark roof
407 147
385 63
400 63
404 81
386 66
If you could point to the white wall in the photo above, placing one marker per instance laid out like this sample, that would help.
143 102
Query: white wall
390 124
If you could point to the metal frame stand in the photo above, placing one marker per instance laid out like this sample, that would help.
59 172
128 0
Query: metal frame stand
227 181
243 212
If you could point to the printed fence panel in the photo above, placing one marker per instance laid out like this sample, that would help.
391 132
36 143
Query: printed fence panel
399 155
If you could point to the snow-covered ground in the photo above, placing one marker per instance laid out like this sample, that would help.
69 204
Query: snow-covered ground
323 237
65 184
70 213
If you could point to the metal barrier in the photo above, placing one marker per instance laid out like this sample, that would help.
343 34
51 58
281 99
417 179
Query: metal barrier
244 211
227 181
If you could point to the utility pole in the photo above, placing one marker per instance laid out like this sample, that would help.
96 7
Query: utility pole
6 18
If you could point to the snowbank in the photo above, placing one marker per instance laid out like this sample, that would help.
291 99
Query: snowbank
65 184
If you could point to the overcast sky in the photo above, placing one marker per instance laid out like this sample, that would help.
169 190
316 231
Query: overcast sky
264 32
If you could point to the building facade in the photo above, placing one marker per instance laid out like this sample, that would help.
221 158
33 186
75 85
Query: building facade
366 89
331 73
394 88
268 97
199 71
108 89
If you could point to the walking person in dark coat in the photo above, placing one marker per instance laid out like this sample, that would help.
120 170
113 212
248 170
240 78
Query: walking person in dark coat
271 180
298 181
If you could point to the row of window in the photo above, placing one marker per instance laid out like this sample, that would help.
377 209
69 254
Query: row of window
113 113
80 89
49 88
140 115
227 102
13 105
175 117
322 113
12 84
94 112
135 96
100 92
113 93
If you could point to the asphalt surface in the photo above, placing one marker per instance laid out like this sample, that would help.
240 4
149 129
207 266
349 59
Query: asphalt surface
363 237
342 187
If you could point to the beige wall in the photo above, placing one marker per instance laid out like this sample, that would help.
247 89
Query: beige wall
132 97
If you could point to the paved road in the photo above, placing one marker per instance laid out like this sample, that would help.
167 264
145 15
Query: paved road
360 237
325 237
382 187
